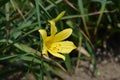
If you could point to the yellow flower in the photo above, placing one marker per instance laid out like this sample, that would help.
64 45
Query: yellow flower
54 43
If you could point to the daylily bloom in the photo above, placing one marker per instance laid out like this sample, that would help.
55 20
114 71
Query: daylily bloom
54 43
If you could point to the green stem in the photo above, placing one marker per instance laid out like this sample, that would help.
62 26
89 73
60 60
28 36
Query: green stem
100 16
68 63
81 8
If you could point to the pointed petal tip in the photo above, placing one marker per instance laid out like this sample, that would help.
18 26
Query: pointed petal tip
63 12
41 31
56 54
64 34
59 16
63 58
69 29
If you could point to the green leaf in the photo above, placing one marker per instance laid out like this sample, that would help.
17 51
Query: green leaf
26 49
7 57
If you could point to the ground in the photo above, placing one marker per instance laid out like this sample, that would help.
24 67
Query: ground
107 70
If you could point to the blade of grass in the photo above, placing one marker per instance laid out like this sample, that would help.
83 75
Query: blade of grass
16 7
52 5
38 12
47 73
7 57
7 8
89 48
78 32
39 23
70 4
90 14
79 54
30 58
42 68
45 11
103 3
68 63
81 8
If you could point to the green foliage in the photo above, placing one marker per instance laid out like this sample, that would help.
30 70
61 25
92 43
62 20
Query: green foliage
92 21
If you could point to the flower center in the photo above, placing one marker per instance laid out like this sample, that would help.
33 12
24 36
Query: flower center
49 41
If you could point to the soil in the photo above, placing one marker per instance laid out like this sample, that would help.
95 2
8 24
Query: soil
107 70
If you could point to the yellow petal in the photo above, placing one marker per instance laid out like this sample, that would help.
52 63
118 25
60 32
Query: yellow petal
52 22
44 51
58 55
43 33
64 47
63 35
53 28
59 16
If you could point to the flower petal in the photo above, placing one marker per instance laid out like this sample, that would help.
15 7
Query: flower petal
43 33
64 47
44 51
63 34
53 28
58 55
59 16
